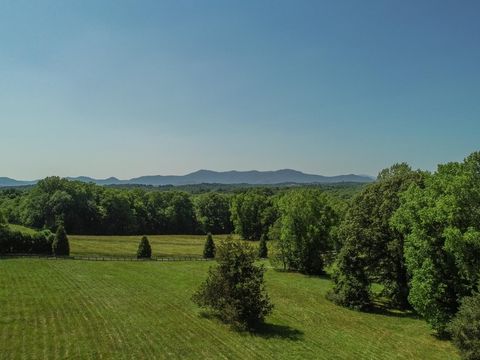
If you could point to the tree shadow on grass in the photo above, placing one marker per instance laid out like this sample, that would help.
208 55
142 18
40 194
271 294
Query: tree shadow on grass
265 330
271 331
324 276
380 308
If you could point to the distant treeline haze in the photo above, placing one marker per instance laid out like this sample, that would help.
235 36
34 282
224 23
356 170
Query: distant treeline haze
92 209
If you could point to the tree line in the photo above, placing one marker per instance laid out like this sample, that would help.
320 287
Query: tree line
418 235
92 209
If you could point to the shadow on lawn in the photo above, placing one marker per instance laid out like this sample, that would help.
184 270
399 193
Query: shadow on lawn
379 308
265 330
324 276
269 331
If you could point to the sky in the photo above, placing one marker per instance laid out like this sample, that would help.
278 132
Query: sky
130 88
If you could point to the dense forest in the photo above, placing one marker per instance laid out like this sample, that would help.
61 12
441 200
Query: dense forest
93 209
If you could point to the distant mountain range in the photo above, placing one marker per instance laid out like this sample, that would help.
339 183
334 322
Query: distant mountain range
5 181
216 177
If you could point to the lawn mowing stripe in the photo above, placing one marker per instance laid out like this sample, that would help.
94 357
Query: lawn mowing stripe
169 305
143 310
89 298
82 303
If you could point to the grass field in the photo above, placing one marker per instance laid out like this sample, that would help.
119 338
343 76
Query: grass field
58 309
162 245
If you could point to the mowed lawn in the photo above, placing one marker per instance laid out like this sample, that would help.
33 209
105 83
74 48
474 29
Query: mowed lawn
70 309
162 245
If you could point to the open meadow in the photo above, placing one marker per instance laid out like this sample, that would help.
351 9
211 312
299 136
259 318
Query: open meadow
57 309
162 245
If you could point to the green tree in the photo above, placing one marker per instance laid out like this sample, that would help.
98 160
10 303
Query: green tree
373 248
60 245
235 288
262 247
118 216
465 328
213 213
441 222
144 249
253 213
209 248
352 284
306 219
180 213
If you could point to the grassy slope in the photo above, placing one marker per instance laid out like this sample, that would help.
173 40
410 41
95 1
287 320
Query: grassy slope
79 309
162 245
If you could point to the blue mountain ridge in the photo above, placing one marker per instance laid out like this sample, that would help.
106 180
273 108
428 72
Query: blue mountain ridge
252 177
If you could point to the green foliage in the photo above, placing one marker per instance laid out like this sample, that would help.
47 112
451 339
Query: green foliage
91 209
209 248
60 245
169 213
253 213
3 219
441 220
262 247
213 213
10 203
13 241
124 210
117 217
351 283
372 248
306 219
235 288
144 249
465 328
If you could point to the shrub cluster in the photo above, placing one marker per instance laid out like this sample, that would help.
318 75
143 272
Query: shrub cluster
465 328
16 242
235 288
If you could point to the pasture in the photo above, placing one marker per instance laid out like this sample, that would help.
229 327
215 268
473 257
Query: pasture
57 309
162 245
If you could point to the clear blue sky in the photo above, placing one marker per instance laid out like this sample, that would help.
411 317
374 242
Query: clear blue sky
128 88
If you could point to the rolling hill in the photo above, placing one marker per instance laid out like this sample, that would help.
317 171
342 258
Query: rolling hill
216 177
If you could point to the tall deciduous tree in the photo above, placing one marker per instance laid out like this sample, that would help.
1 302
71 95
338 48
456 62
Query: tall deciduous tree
306 219
253 213
213 213
441 221
373 248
